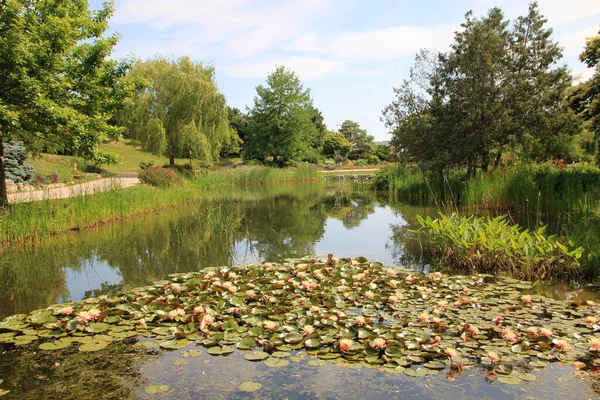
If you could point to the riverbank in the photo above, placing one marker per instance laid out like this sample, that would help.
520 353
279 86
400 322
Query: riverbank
24 224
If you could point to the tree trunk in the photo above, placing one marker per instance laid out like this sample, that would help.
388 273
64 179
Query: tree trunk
171 160
498 158
3 194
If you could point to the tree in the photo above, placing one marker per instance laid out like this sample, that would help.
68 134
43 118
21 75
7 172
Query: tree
178 110
584 98
362 143
335 144
499 87
281 123
59 89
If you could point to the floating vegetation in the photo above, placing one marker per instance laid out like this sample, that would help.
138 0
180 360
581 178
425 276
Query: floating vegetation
492 245
351 312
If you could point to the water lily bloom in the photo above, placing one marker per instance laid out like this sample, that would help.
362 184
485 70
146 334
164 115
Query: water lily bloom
358 277
527 298
208 276
393 283
443 304
84 316
590 303
271 325
180 312
595 344
379 343
590 319
143 323
360 320
465 289
198 309
561 344
533 331
206 320
493 356
314 309
302 266
250 293
176 287
498 320
390 272
94 313
308 329
409 279
301 275
369 295
173 314
450 352
345 345
509 335
437 276
436 312
546 332
424 317
437 320
472 329
66 311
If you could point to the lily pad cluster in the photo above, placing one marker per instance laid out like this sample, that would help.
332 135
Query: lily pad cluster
350 311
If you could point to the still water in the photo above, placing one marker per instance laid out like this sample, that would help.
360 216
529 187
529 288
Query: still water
262 223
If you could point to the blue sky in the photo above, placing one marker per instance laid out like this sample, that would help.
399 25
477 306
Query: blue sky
351 53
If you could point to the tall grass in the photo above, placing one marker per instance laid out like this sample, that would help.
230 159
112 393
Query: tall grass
257 175
528 188
29 223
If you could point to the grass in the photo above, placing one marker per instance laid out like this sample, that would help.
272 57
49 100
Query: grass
540 189
29 223
47 164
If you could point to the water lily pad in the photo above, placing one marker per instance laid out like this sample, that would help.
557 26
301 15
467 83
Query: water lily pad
510 380
98 327
256 356
419 372
93 346
317 363
250 386
180 361
155 389
276 362
528 377
281 354
247 344
54 345
435 365
312 343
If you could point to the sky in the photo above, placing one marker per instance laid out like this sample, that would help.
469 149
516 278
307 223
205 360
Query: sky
350 53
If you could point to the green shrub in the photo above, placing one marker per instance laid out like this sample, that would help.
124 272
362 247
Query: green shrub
361 163
373 160
492 245
14 157
161 177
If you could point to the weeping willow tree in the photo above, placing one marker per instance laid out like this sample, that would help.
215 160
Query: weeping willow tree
178 110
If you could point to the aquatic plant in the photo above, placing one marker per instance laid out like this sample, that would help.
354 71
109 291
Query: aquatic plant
492 245
283 316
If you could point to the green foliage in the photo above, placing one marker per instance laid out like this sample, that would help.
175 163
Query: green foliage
542 189
584 98
60 88
361 162
255 174
335 144
362 143
160 177
14 157
281 121
492 245
373 160
499 88
178 110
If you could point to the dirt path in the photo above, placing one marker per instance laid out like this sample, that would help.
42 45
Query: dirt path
97 186
357 171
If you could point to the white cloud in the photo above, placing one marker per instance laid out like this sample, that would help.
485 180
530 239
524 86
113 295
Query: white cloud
305 67
574 42
565 11
582 74
376 44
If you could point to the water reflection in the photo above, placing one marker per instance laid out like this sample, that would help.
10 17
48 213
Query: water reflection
256 224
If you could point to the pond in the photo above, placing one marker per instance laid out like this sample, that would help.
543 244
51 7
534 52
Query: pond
251 226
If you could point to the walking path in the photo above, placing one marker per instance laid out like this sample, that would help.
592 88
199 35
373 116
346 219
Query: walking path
357 170
91 187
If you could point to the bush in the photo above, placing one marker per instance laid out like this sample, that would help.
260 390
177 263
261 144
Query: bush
361 163
160 177
14 156
252 162
144 165
492 245
184 170
373 160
